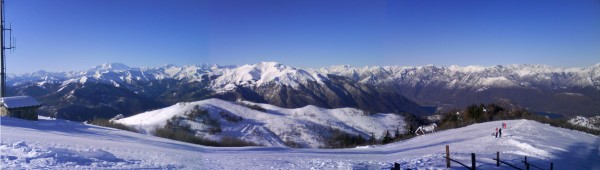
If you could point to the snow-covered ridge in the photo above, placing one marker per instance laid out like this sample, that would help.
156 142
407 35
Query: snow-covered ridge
474 76
228 77
306 126
591 122
262 73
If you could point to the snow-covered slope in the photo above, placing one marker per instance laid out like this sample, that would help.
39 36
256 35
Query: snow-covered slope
307 126
591 122
58 144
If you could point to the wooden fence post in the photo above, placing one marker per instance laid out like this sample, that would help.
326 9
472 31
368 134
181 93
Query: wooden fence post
473 161
526 164
551 166
497 159
447 156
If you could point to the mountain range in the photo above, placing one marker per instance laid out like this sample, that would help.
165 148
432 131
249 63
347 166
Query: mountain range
111 89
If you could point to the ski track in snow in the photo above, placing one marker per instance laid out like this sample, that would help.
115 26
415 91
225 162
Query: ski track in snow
59 144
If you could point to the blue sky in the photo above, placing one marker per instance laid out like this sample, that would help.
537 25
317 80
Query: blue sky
57 35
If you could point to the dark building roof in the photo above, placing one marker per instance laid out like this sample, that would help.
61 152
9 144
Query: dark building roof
19 101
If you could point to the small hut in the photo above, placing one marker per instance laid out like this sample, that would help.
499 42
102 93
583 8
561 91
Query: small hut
23 107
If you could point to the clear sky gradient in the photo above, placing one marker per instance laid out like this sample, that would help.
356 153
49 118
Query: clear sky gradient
67 35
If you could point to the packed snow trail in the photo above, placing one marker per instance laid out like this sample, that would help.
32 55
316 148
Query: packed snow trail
58 144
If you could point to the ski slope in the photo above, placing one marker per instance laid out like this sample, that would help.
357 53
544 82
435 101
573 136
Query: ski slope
59 144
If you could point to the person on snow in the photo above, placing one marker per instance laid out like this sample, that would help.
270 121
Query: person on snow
500 132
496 133
503 125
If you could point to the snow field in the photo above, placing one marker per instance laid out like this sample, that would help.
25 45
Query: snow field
58 144
21 155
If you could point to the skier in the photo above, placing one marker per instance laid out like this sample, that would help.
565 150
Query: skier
500 133
503 125
496 133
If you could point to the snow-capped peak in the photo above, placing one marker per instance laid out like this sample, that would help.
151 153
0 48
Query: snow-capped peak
262 73
467 69
111 66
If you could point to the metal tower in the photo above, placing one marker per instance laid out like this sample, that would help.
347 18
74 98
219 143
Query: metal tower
3 55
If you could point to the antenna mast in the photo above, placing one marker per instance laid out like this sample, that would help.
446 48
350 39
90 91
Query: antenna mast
3 55
3 71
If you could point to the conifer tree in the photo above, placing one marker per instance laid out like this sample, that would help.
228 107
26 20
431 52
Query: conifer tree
387 138
397 134
372 140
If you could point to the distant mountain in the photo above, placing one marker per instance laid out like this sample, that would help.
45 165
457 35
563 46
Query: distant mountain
106 90
290 87
536 87
110 89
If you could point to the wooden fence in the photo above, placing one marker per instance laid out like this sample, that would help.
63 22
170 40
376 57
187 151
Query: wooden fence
448 159
498 162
